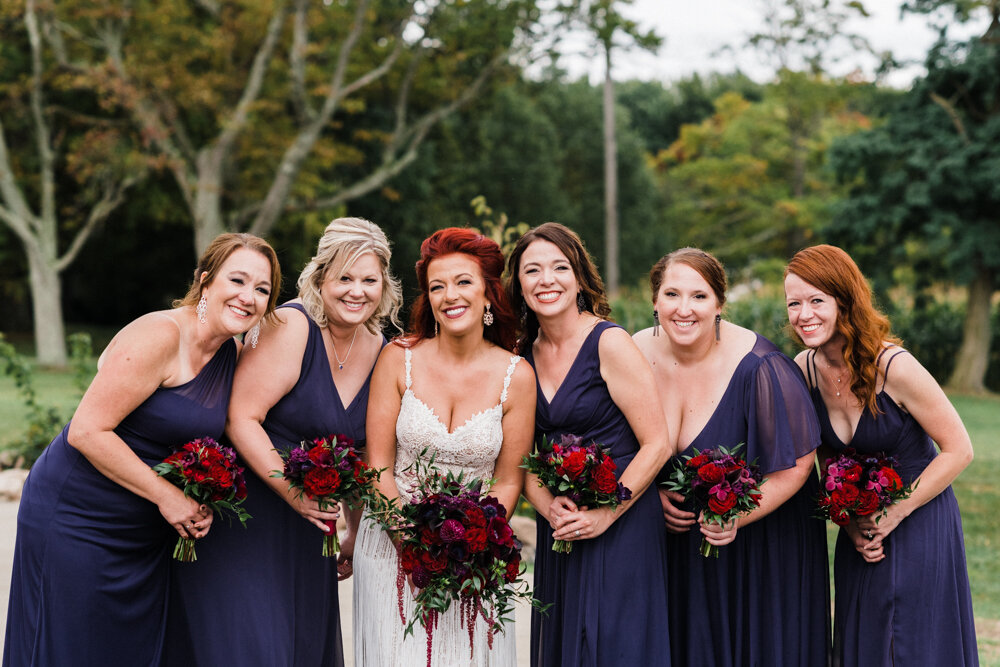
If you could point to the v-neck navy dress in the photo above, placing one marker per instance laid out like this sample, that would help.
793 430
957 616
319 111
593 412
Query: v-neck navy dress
264 595
914 607
91 563
609 595
766 599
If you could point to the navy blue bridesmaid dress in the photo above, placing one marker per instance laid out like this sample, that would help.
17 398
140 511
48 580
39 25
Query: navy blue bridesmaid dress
265 595
92 559
609 595
766 599
914 607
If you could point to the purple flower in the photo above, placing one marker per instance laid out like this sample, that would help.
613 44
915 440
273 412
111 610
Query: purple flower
298 463
452 531
420 576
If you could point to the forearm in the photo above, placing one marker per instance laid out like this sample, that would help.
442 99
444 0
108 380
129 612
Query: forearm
257 451
507 495
115 460
778 488
934 479
641 471
539 497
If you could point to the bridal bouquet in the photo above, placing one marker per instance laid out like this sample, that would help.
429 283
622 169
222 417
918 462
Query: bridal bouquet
721 485
856 484
583 473
456 546
328 470
207 472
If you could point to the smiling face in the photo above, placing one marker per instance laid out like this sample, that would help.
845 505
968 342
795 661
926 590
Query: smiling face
811 312
456 293
686 305
548 284
238 294
351 298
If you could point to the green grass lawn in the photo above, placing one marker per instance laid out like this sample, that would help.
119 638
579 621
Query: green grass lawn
977 489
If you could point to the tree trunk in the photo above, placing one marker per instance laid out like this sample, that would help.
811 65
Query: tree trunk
610 180
46 306
207 213
973 356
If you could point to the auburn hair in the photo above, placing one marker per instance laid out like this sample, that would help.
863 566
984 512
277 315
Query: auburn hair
707 266
864 328
486 254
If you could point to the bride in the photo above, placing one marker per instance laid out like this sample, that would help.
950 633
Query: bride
450 386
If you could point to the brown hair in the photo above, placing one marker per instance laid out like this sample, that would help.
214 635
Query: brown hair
216 254
832 271
589 280
486 253
707 266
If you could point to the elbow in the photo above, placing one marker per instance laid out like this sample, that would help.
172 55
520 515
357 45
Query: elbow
965 458
79 434
661 452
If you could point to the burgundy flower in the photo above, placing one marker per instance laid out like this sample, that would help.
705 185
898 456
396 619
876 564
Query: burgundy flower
452 531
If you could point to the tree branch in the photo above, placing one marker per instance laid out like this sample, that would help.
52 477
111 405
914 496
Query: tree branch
43 139
114 195
18 211
956 120
297 62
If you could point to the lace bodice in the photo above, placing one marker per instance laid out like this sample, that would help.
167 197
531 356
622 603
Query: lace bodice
471 448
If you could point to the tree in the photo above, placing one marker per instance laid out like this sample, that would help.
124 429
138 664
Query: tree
64 171
924 188
256 115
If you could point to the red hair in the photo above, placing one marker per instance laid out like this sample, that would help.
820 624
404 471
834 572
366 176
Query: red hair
865 328
487 255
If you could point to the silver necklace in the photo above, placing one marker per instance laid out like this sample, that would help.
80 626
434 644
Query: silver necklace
341 362
838 378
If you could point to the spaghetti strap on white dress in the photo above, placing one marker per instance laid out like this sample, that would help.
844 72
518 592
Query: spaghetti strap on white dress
472 449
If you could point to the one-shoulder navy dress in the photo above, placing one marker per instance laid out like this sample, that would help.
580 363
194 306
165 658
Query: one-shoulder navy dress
92 559
914 607
766 599
265 595
609 595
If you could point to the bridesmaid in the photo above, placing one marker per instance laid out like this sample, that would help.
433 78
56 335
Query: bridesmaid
901 586
96 526
609 595
266 595
765 600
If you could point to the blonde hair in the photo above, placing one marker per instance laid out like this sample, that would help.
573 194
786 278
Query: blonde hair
345 240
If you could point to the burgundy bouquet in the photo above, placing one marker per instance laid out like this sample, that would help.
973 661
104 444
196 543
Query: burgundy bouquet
455 545
583 473
721 485
856 484
328 470
207 472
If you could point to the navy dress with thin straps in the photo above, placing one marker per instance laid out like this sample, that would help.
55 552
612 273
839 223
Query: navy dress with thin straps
265 595
914 607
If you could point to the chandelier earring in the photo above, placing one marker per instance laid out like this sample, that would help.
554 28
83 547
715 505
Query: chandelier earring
435 328
524 313
718 322
581 302
656 323
487 317
254 335
202 309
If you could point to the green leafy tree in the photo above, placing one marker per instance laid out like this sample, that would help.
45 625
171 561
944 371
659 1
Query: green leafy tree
924 189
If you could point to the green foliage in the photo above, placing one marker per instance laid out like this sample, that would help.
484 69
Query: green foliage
44 421
764 313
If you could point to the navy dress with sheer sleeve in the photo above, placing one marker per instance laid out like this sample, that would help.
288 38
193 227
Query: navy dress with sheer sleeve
265 595
609 595
914 607
92 559
766 599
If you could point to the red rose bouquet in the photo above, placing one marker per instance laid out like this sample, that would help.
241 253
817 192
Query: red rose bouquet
583 473
856 484
207 472
455 545
721 485
328 470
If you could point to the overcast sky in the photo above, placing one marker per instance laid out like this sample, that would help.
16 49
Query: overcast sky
694 30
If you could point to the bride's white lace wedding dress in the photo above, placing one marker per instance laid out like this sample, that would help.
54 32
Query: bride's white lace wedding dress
471 448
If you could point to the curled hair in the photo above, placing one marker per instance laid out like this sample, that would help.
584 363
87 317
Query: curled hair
487 255
707 266
216 254
864 328
587 278
345 240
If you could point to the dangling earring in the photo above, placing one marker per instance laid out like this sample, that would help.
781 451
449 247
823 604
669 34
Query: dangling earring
435 328
581 303
718 320
524 313
656 323
487 317
202 309
254 335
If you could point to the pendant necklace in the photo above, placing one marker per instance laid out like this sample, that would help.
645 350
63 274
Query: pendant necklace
839 378
340 363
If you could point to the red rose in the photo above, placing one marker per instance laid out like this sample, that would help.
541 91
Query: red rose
852 474
839 515
476 518
845 495
512 571
895 481
241 491
710 473
605 480
211 455
434 563
223 478
320 455
430 536
574 463
722 506
408 558
867 503
476 539
321 482
697 461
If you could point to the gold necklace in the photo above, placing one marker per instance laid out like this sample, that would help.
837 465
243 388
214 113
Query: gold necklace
840 377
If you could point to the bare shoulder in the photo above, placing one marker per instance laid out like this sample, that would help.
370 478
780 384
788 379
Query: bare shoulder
801 359
643 338
155 335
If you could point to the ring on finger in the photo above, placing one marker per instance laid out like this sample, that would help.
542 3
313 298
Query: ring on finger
578 533
869 534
